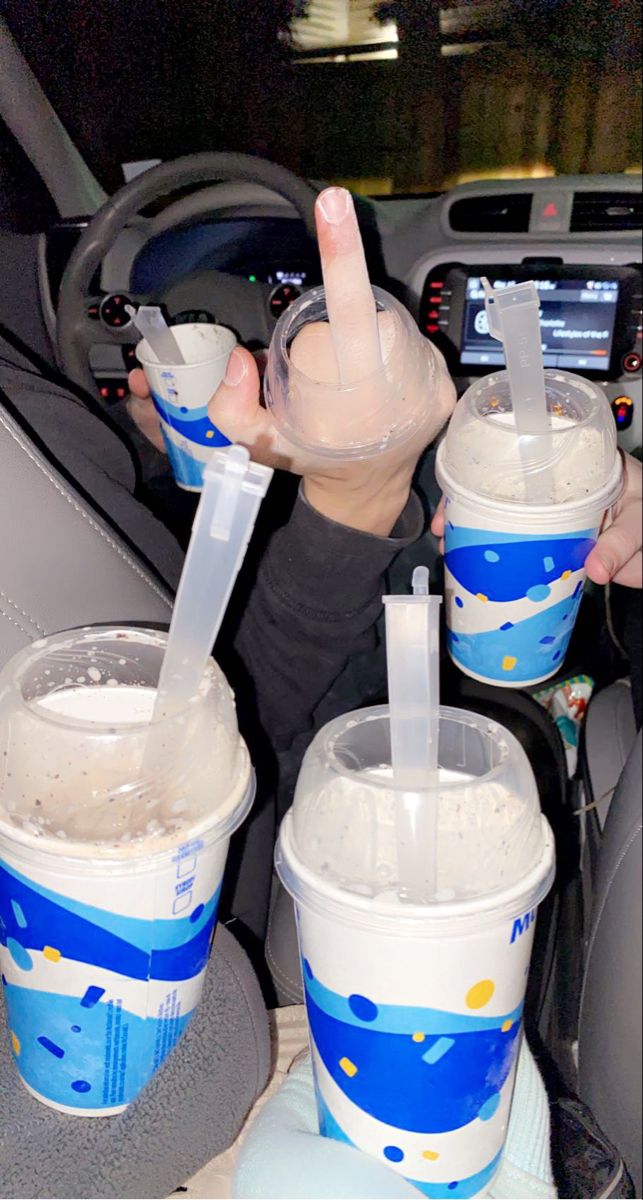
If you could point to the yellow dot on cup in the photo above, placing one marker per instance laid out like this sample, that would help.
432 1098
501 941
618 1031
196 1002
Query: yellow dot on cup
209 433
431 1155
481 596
419 1037
52 954
480 994
565 574
348 1067
509 662
506 1026
15 1042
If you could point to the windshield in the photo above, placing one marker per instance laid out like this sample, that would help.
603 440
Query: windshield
387 96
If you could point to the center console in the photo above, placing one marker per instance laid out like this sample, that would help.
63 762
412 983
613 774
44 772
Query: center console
590 321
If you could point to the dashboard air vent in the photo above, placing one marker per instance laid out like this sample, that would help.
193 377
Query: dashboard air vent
491 214
605 212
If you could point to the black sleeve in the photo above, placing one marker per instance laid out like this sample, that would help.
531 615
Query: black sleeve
310 606
316 598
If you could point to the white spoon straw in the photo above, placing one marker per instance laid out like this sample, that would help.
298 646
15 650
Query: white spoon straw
513 318
413 663
149 321
233 490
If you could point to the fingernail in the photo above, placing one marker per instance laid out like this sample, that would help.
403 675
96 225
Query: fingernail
334 204
236 369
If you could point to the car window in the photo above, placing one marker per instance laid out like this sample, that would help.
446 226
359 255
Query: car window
389 96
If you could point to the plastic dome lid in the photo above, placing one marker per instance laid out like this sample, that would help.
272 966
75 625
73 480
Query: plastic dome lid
574 460
341 831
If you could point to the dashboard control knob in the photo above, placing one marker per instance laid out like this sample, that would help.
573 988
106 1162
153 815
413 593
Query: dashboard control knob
113 313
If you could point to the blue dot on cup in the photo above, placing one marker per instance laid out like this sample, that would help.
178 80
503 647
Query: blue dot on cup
362 1007
459 603
184 409
547 640
453 1186
539 591
393 1153
308 969
490 1107
197 913
75 1028
491 556
507 625
556 656
20 956
81 1085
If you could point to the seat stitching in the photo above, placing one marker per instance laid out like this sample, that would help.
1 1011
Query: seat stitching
599 916
273 964
85 515
5 614
21 611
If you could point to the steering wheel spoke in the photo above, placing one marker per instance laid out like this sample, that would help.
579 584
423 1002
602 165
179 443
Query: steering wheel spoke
85 320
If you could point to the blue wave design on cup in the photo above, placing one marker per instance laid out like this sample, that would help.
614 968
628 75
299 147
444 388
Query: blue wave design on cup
530 649
415 1081
186 469
131 947
504 571
495 569
85 1050
193 424
88 1057
461 1189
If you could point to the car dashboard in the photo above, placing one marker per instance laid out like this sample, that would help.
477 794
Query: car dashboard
578 238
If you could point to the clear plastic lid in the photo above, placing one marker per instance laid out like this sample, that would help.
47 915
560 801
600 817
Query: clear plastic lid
75 720
358 420
342 826
574 460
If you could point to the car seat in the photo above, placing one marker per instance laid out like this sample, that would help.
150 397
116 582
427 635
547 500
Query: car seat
609 1023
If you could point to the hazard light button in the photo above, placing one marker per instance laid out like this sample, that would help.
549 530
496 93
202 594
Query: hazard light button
550 211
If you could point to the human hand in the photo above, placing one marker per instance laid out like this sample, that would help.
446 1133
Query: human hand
616 557
367 495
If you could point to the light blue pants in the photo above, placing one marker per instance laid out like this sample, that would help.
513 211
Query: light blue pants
283 1155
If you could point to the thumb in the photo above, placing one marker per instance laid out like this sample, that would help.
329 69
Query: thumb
236 410
617 553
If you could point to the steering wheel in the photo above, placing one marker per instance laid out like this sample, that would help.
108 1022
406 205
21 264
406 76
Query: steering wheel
77 328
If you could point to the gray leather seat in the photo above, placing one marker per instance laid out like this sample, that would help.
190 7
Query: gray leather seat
609 1040
62 565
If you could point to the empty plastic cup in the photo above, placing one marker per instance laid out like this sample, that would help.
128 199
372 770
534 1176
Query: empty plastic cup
359 420
110 864
521 517
181 393
415 1010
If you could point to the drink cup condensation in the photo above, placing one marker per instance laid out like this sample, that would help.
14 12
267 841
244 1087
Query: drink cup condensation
336 422
110 864
415 1009
181 393
521 517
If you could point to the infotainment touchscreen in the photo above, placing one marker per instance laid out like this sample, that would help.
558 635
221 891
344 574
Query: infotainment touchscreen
577 319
